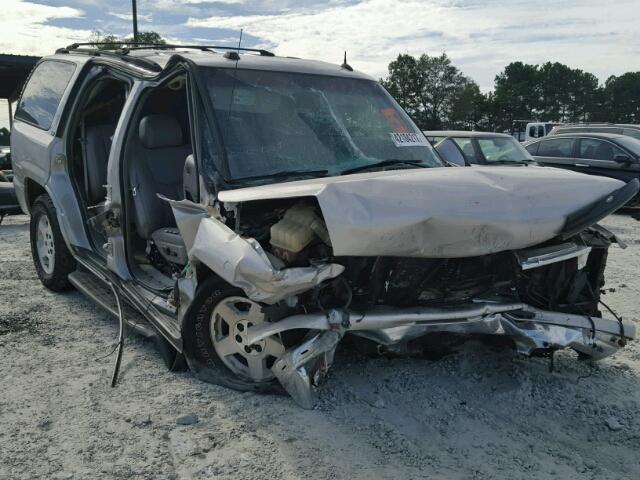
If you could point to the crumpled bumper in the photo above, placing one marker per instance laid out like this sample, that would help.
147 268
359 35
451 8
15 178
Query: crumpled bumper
532 330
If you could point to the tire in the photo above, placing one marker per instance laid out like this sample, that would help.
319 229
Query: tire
198 346
54 276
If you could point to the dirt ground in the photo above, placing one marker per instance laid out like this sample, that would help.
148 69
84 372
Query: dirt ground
480 413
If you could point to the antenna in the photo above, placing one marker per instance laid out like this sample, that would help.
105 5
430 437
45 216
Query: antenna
235 55
345 65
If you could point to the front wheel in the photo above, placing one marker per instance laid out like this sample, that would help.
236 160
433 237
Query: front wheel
51 257
215 343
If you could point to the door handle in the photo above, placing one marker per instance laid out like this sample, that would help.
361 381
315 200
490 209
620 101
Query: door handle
581 165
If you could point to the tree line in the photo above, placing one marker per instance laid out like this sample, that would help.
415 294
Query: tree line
439 96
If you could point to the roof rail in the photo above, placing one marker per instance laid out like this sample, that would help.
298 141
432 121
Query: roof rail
138 61
125 47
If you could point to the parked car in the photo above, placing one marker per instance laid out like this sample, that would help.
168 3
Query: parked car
8 201
619 129
465 148
5 157
611 155
256 209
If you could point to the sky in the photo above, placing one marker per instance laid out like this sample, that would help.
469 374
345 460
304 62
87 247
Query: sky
481 36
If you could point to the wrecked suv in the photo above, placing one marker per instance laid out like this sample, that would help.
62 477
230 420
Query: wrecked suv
249 211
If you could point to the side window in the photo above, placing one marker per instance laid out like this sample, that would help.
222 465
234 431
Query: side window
533 131
450 152
631 132
467 149
557 147
41 97
533 148
598 150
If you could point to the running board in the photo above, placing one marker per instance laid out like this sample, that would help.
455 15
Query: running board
98 291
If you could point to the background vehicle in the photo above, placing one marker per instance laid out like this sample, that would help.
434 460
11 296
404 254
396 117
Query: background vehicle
8 201
527 130
610 155
256 209
5 157
618 129
478 148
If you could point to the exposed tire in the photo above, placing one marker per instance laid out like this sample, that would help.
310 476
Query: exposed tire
51 257
198 347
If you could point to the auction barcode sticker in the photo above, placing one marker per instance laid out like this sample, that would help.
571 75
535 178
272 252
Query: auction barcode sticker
409 140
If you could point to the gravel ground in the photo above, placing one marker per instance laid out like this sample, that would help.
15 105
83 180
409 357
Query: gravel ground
479 413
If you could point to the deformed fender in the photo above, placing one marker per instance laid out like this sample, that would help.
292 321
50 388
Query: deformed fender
241 261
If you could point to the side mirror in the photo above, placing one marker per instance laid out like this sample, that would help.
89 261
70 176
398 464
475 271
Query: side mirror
622 158
190 179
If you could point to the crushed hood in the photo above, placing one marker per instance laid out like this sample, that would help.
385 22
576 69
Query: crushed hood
441 212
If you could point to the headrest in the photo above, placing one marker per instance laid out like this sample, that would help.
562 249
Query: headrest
158 131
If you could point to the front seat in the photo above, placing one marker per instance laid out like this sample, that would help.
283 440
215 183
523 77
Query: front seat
157 169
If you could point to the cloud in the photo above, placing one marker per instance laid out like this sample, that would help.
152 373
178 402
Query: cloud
481 36
581 33
129 16
25 29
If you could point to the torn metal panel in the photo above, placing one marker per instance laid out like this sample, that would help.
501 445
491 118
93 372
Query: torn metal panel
187 285
188 216
441 212
302 368
242 262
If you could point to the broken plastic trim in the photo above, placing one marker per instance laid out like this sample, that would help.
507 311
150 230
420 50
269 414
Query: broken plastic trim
241 261
538 257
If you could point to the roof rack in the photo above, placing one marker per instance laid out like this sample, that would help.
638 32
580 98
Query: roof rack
126 47
138 61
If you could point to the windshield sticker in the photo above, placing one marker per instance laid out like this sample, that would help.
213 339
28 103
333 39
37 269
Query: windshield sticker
394 120
409 140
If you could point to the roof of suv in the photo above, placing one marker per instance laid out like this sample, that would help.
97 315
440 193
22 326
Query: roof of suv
463 133
213 58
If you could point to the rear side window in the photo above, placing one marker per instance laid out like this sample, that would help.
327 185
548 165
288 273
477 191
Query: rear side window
598 150
558 147
533 148
41 97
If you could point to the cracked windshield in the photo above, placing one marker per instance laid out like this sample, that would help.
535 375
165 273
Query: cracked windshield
273 123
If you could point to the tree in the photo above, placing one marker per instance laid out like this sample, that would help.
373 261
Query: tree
112 42
469 108
428 88
516 95
622 98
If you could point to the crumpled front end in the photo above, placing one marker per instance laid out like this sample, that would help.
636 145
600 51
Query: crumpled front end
543 295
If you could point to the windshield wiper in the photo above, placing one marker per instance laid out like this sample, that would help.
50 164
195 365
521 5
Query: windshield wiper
509 162
294 174
384 163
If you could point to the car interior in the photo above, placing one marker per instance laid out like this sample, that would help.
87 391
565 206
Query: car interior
155 154
93 129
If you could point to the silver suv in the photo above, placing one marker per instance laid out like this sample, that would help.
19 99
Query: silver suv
249 211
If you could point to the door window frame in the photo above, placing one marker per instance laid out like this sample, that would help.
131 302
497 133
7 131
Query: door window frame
56 115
